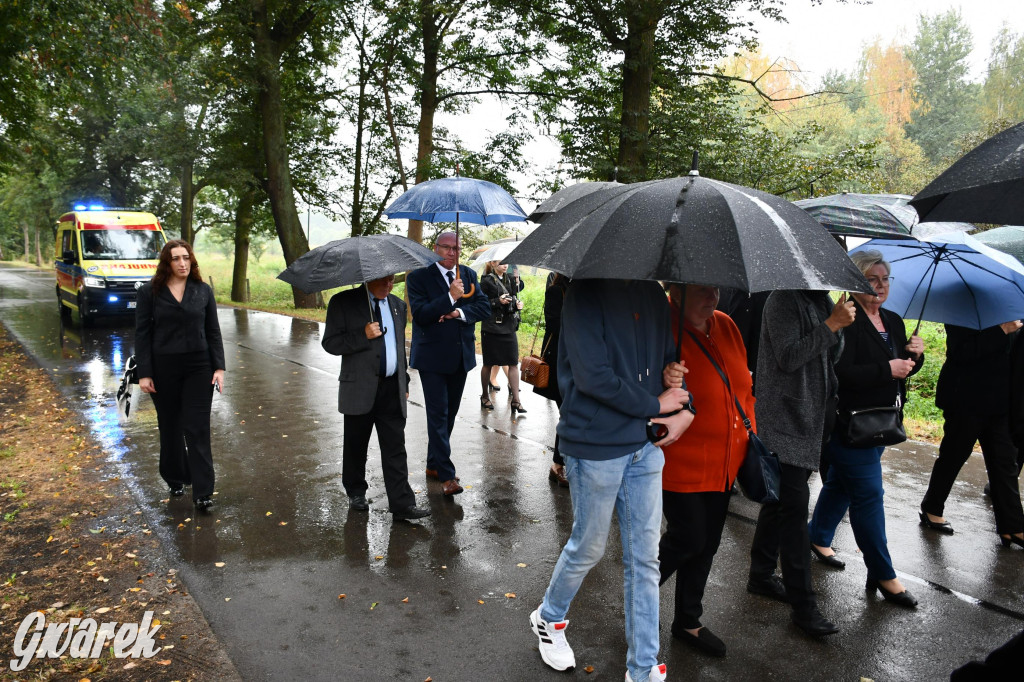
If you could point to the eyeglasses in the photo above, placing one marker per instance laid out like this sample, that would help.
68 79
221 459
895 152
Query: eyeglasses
884 281
449 247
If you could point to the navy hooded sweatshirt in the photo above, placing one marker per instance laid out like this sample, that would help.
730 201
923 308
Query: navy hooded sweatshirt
615 341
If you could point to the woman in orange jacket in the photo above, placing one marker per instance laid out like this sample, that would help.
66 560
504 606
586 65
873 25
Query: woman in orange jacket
701 466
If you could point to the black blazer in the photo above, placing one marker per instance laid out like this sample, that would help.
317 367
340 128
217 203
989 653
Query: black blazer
501 320
975 378
865 378
163 326
445 347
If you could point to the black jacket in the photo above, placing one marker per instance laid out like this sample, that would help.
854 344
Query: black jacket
503 315
975 379
865 378
163 326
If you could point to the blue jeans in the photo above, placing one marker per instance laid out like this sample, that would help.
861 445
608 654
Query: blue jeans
630 486
854 483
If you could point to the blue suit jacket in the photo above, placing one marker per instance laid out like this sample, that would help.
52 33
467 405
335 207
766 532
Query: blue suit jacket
445 347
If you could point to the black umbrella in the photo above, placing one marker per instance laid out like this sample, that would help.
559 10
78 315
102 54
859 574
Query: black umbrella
691 230
985 186
566 196
355 260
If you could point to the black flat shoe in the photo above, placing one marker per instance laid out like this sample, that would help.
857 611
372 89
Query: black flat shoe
771 588
903 598
410 513
1012 540
704 641
829 560
945 527
358 502
813 623
204 504
177 490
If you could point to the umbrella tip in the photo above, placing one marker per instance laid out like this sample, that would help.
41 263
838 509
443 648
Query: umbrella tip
693 164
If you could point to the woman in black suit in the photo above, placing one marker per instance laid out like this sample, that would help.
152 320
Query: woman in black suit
872 372
180 358
499 344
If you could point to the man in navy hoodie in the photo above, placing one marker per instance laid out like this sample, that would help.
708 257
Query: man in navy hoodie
616 364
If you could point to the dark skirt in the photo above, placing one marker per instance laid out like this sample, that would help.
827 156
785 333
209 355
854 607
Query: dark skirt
499 349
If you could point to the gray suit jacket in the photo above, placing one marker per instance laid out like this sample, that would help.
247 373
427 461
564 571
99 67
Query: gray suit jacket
795 375
345 335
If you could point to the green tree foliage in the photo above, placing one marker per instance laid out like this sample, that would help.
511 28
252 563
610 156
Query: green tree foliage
1002 95
948 101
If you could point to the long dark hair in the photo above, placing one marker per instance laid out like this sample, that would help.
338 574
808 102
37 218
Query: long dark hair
163 268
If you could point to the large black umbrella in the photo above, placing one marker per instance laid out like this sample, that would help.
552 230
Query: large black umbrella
566 196
849 214
356 259
693 230
985 186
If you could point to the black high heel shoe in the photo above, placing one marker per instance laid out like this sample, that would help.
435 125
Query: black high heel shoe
1012 540
517 407
494 387
945 527
485 403
903 598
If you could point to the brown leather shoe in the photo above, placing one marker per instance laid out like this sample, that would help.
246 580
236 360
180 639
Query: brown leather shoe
432 473
451 487
557 473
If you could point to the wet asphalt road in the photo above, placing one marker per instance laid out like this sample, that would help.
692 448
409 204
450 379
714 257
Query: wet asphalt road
290 546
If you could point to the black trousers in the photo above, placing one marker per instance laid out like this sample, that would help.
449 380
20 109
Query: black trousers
386 415
184 395
781 534
695 523
959 434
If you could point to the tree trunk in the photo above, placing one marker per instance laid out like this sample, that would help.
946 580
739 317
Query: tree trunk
243 227
187 202
28 243
39 249
357 173
275 149
428 103
637 75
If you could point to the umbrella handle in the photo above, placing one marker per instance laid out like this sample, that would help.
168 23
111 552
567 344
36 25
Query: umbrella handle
472 289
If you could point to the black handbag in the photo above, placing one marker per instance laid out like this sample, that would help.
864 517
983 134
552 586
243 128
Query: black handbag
872 427
760 474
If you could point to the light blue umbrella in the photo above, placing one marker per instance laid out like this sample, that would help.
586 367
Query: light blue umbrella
952 278
451 200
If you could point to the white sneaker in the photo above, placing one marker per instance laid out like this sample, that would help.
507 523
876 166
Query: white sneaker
554 650
658 674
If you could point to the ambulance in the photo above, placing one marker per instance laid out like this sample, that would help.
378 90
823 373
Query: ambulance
103 256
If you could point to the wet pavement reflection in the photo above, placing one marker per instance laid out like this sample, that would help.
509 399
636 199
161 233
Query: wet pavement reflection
291 547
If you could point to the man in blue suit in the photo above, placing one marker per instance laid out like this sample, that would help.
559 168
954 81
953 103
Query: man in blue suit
443 347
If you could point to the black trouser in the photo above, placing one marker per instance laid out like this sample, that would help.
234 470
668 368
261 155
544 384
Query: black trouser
184 394
959 434
386 415
781 533
695 523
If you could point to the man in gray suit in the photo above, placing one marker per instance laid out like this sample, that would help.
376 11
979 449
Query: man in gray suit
366 327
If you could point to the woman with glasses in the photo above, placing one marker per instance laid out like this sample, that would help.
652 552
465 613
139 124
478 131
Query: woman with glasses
499 345
875 362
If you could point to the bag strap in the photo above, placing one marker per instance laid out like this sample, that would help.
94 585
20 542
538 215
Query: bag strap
746 421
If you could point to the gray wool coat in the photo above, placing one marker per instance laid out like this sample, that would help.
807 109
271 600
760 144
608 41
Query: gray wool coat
795 375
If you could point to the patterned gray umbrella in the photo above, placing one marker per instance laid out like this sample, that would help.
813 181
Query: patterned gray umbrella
356 259
885 216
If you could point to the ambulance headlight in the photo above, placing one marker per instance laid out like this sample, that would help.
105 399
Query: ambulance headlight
96 282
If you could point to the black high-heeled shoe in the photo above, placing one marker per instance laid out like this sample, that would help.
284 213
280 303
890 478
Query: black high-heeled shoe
1012 540
494 387
945 527
485 403
517 407
903 598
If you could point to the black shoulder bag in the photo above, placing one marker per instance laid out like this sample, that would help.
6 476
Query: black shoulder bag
760 475
872 427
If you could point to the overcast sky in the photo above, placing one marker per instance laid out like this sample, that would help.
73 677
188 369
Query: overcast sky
831 35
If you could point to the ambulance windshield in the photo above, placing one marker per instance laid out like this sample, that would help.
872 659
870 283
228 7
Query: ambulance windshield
121 244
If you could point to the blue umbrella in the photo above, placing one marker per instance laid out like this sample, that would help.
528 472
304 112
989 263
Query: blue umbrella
457 199
451 200
952 278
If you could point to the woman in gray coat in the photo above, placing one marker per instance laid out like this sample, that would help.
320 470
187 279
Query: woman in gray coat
796 403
